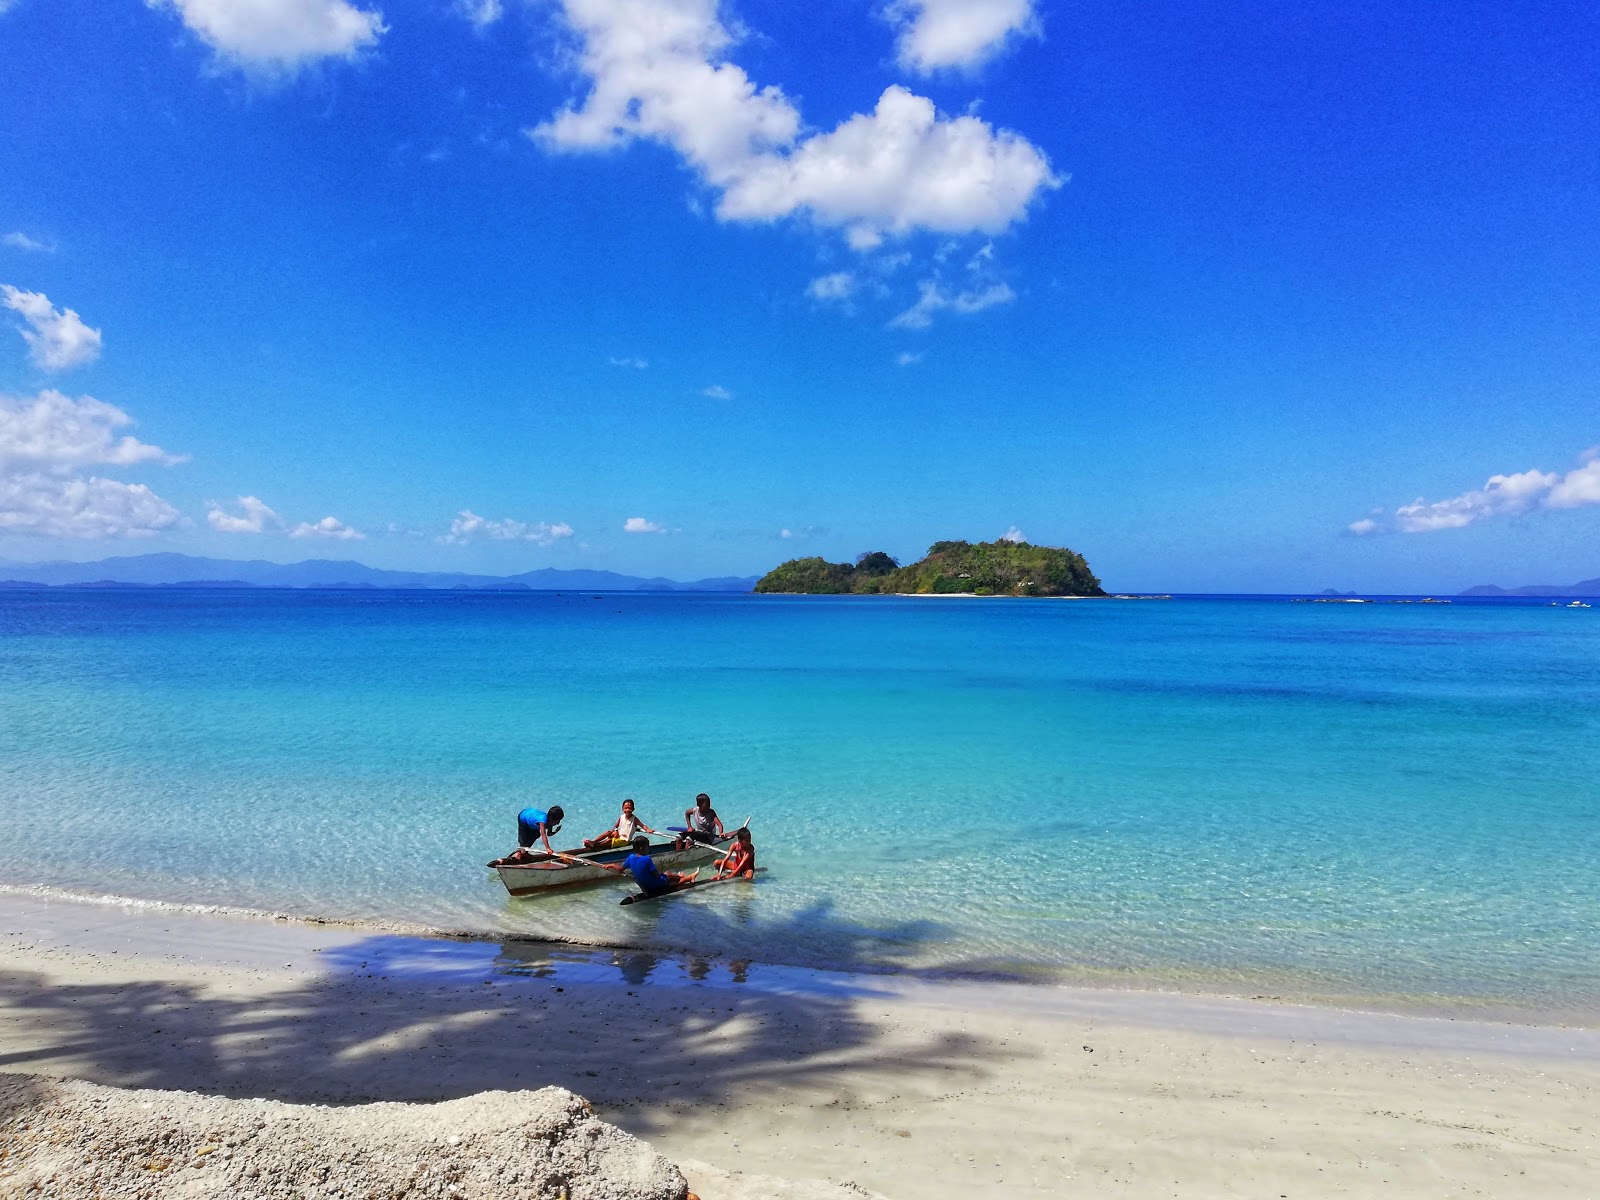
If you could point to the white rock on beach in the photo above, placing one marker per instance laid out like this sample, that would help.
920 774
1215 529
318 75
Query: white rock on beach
66 1140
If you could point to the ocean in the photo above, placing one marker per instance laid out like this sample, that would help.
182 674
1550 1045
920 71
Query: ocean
1389 804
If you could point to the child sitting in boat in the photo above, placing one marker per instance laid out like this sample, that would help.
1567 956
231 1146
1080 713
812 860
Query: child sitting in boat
652 880
533 825
620 834
740 859
703 823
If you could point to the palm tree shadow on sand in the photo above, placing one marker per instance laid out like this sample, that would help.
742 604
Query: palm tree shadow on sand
648 1035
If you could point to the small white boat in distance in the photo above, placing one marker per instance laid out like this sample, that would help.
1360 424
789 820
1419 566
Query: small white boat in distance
1578 604
552 874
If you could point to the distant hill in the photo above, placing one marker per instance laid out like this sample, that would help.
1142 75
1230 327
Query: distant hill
982 568
1584 587
184 570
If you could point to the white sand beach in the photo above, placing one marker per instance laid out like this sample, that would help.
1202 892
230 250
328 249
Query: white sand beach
805 1085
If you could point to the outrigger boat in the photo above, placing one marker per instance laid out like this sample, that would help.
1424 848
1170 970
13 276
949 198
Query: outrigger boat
549 874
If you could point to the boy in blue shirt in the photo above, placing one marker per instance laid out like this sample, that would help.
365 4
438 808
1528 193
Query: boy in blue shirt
652 880
533 825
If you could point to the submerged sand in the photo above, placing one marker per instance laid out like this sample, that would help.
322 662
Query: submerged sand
811 1085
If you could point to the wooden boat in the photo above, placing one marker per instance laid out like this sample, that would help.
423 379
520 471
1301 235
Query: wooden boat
550 874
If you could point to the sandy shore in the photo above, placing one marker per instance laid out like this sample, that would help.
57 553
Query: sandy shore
908 1088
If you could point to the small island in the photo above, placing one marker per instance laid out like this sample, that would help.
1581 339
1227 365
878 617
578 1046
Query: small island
1001 568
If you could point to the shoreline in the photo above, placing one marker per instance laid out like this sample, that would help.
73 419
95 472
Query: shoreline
19 899
912 1088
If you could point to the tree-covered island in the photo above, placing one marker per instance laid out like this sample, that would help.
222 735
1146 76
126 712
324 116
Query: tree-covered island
1000 568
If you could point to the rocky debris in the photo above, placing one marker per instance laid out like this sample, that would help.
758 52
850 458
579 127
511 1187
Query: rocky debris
65 1140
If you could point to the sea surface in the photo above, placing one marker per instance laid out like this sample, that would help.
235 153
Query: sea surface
1375 803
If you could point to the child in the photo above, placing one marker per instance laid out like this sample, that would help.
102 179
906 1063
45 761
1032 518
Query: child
621 833
533 824
740 859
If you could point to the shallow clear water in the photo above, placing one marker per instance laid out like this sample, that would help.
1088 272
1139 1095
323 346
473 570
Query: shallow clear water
1332 800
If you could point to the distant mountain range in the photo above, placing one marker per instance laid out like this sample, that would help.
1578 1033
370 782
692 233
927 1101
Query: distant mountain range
184 570
1584 587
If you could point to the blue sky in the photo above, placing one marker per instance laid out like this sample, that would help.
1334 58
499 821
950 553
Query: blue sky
1262 297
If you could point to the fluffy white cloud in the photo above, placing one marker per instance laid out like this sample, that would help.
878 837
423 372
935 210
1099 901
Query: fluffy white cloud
936 298
1502 496
956 33
56 434
46 441
57 338
469 526
279 35
906 358
840 285
482 13
255 517
658 72
21 241
717 392
640 525
77 507
1014 535
328 527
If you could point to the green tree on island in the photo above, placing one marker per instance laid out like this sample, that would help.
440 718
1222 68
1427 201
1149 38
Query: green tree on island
1001 568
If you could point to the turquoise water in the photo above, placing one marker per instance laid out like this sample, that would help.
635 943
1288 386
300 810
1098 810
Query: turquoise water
1369 801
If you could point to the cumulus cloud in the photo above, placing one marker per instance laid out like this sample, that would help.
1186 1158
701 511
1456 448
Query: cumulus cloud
57 337
658 71
717 392
840 285
482 13
636 364
279 35
1513 495
79 507
21 241
957 33
1014 535
906 358
56 434
935 298
640 525
46 441
328 527
255 517
468 526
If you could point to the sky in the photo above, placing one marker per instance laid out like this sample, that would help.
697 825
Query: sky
1239 298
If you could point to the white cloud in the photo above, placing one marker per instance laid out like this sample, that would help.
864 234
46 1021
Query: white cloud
637 364
279 35
840 285
328 527
468 526
45 442
906 358
482 13
785 534
256 517
717 392
21 241
77 507
57 338
56 434
640 525
658 72
1013 534
957 33
1502 496
935 298
899 169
